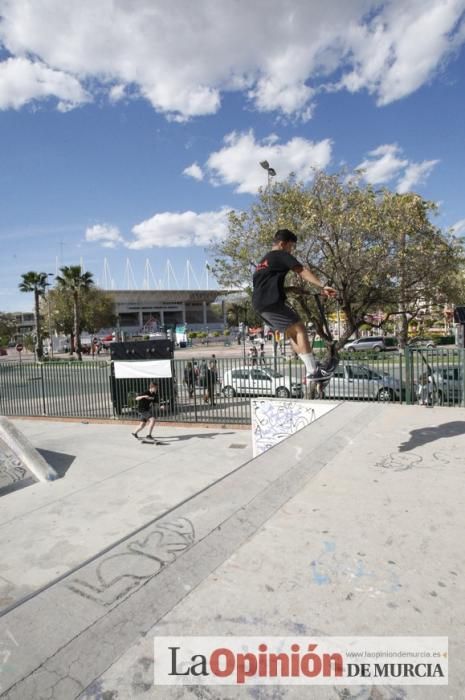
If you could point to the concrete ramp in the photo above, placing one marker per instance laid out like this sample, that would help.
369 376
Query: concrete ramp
350 527
20 463
275 420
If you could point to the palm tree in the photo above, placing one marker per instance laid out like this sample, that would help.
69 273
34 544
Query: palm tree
234 313
35 282
74 280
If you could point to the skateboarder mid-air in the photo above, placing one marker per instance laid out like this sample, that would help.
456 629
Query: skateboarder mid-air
269 301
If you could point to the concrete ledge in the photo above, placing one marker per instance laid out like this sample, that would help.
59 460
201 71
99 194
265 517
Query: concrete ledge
25 452
135 421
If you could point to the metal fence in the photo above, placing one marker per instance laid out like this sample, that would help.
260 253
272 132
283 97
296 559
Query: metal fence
89 389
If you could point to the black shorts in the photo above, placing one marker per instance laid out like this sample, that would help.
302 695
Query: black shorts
145 415
280 317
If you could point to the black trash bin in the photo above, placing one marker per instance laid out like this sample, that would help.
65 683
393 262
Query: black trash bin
124 391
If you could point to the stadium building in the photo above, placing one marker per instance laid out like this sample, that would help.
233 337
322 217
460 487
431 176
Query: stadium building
142 308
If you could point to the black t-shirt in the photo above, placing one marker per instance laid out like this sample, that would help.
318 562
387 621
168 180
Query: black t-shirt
147 400
268 278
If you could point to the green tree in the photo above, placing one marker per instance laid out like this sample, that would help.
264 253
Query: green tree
427 263
377 248
7 327
234 313
97 310
242 312
35 282
72 279
60 305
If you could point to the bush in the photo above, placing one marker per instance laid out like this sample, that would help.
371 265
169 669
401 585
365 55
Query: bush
445 340
216 334
192 335
363 355
391 342
226 331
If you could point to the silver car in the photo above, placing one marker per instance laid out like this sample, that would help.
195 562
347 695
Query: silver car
419 343
448 385
372 343
353 381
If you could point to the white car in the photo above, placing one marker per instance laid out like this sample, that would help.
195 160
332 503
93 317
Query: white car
260 381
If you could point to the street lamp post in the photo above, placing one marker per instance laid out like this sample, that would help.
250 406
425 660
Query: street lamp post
245 332
271 171
49 325
49 274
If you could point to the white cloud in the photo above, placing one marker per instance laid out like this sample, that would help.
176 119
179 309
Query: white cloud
403 46
271 94
237 163
179 230
117 93
194 171
415 174
108 236
22 81
459 227
183 56
385 164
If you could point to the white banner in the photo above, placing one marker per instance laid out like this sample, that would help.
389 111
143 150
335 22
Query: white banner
143 369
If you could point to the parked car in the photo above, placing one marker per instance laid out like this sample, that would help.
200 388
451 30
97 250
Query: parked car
260 381
373 343
3 351
419 343
353 381
448 385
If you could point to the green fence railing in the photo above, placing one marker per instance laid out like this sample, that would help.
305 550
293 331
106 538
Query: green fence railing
89 390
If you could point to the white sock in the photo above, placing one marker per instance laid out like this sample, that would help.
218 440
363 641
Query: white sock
308 358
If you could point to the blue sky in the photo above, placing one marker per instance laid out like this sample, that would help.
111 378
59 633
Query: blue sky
127 133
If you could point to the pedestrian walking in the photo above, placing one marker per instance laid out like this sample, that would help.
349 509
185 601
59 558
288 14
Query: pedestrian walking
425 389
253 355
211 377
189 378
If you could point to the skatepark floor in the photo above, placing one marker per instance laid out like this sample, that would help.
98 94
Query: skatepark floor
353 526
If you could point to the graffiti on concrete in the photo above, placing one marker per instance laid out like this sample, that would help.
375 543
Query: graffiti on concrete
116 576
399 462
12 468
352 572
273 421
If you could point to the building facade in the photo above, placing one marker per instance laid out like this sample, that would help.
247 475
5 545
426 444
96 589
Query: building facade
25 325
141 308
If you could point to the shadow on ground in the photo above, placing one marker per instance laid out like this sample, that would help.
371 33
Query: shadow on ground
60 461
195 435
422 436
17 485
